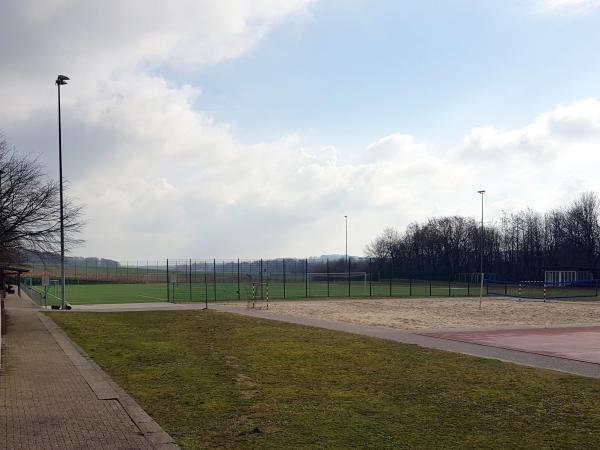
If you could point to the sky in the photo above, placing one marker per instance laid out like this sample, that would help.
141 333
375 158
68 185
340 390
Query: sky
250 128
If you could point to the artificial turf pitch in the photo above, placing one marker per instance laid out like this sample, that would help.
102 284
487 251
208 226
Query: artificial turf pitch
99 293
216 380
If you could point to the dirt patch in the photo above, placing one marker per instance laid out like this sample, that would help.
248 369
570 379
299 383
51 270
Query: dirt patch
436 313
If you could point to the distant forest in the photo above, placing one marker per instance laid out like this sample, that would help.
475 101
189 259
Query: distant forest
520 246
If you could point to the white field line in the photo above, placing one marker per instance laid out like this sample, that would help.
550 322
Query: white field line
48 294
452 289
154 298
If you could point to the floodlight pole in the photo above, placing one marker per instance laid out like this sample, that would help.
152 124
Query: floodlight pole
481 251
60 81
1 202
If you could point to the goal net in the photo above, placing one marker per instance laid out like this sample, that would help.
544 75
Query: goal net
338 277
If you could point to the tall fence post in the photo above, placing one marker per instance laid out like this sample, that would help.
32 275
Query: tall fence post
284 277
206 281
410 287
327 264
238 280
370 279
168 290
349 281
215 279
190 279
449 291
306 277
430 287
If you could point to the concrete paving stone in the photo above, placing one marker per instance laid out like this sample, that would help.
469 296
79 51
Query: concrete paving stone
46 401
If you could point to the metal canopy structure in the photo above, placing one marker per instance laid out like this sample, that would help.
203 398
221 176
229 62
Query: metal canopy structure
6 271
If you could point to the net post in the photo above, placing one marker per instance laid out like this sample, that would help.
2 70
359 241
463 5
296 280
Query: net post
238 279
190 278
260 278
544 292
449 287
168 290
505 288
410 287
267 286
430 287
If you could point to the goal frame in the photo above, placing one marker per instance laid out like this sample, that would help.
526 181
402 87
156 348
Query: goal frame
260 295
338 277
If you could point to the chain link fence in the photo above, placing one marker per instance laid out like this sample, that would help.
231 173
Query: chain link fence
214 280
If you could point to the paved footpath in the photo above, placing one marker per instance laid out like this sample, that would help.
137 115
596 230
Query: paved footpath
52 397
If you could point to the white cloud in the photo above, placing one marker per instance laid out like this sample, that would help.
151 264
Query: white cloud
573 6
97 42
573 126
161 178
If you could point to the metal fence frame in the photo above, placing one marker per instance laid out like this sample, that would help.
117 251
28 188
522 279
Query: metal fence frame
195 280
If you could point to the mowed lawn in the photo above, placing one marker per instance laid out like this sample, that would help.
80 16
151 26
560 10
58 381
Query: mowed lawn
221 380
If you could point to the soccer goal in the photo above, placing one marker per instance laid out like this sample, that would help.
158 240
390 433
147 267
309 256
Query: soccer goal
338 277
259 296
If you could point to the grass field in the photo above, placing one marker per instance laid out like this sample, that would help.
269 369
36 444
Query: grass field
90 293
216 380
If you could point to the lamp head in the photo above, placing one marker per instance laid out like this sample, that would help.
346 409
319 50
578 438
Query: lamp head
61 80
481 192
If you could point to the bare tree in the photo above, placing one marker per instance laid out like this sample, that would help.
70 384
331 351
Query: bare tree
30 209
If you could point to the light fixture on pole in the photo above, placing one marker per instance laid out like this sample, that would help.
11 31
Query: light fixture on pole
481 250
61 80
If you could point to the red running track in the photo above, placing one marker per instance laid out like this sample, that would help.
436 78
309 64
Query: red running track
577 343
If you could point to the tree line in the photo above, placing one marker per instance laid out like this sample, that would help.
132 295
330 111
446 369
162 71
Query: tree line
519 246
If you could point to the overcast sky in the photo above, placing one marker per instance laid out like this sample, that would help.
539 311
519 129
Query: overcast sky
249 128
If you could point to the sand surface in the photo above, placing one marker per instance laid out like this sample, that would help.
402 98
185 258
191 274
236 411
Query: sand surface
441 313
